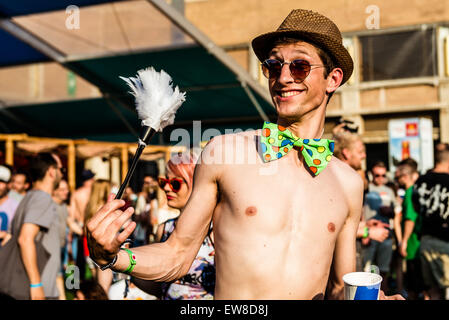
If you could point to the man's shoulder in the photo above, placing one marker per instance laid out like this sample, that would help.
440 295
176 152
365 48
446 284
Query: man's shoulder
427 177
343 168
441 177
9 203
231 143
38 198
81 190
39 207
229 138
345 174
378 188
12 203
382 188
37 194
81 194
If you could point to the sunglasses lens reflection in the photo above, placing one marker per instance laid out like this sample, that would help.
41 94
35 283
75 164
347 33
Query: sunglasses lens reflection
299 69
271 68
175 184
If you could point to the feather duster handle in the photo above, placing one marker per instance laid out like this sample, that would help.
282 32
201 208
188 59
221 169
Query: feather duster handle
156 101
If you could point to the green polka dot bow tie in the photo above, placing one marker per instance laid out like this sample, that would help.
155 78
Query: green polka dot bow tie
277 141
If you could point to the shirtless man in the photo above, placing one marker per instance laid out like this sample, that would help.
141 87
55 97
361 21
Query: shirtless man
280 231
80 197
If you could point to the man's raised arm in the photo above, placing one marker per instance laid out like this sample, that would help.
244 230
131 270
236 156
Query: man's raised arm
159 261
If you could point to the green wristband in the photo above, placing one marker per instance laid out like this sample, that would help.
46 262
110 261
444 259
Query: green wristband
132 261
365 232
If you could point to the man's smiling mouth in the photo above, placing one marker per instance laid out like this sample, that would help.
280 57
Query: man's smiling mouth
290 93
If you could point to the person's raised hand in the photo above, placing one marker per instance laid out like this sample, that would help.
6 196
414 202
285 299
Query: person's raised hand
104 235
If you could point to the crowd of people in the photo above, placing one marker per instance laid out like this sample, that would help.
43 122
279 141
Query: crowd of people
49 207
404 232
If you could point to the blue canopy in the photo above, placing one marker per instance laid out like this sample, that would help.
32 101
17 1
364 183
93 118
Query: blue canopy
14 8
15 51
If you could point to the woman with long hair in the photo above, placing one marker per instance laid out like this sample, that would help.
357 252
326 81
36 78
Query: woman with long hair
98 197
199 282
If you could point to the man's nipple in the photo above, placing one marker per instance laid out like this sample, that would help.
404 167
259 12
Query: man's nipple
251 211
331 227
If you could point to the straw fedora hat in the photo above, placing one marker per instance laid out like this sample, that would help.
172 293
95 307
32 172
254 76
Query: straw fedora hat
311 27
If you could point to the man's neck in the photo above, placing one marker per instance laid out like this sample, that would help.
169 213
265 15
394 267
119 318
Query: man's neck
308 127
377 185
43 186
57 200
441 168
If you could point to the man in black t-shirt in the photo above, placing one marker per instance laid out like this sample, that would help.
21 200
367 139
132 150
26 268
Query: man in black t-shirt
431 201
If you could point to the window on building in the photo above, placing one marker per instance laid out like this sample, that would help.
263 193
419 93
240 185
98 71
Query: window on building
399 55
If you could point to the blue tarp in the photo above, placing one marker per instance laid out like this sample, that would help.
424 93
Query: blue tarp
14 8
16 52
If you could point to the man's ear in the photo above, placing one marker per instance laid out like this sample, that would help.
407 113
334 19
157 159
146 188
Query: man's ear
51 172
345 153
334 80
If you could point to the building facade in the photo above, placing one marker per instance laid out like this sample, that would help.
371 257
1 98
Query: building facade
400 49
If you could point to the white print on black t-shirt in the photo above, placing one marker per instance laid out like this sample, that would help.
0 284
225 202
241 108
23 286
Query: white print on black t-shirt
435 200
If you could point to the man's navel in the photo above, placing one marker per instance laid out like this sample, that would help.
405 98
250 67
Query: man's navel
251 211
331 227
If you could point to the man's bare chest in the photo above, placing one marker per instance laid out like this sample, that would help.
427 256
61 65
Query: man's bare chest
283 201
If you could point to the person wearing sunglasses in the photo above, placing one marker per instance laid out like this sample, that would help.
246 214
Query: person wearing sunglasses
199 282
285 211
380 204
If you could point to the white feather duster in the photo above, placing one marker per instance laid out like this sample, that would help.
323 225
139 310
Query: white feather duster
156 101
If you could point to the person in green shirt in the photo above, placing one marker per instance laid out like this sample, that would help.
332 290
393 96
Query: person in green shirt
406 175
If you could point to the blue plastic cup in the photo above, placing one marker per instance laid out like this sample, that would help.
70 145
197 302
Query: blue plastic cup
362 286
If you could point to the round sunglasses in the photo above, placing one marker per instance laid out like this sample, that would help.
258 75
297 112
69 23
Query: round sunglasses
299 69
174 183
